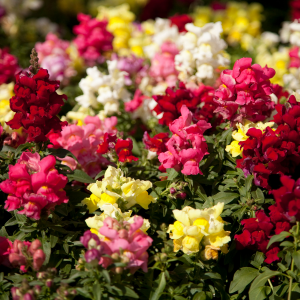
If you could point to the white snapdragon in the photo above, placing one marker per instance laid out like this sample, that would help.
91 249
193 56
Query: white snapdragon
202 52
106 89
163 32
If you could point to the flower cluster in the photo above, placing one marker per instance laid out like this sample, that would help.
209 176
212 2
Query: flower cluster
8 66
245 92
256 235
194 228
201 53
54 56
240 21
34 185
187 146
169 106
155 145
105 89
273 151
122 241
119 20
112 211
92 39
115 188
83 142
240 135
26 254
36 104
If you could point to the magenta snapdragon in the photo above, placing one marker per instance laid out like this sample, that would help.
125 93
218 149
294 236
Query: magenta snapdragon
187 146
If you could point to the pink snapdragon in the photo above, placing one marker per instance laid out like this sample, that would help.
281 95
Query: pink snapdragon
26 254
136 102
187 147
122 241
134 67
245 92
34 185
163 65
92 39
83 142
53 56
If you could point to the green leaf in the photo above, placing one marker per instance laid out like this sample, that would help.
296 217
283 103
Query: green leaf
242 278
130 293
278 238
61 153
80 176
172 174
11 222
100 174
161 286
262 278
162 184
97 291
135 147
248 182
225 197
296 257
260 293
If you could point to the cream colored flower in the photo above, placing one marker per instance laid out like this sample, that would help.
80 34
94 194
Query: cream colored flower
114 187
195 226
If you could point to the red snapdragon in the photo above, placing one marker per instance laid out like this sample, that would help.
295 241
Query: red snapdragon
180 21
36 104
124 150
273 152
169 105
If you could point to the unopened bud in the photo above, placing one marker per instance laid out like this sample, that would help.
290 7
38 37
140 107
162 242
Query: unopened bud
66 293
163 257
115 256
119 270
16 260
172 191
37 289
35 245
181 196
38 259
49 283
28 296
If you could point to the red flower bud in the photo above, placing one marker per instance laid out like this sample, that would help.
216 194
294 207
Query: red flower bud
36 244
38 259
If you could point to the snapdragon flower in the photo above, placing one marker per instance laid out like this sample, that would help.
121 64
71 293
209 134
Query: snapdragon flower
106 89
114 186
202 53
195 226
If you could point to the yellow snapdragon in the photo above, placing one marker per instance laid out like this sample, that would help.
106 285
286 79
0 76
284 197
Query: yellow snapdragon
6 114
120 20
240 135
114 187
196 227
112 210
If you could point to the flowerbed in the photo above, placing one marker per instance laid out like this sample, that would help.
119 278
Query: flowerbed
154 159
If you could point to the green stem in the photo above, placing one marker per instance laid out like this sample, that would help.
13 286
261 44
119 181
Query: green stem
293 263
271 285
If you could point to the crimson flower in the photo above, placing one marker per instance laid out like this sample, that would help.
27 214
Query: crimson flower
8 66
36 104
180 21
123 149
157 143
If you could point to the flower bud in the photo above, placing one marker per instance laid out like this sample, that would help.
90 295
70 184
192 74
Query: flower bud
38 259
49 283
123 234
66 293
37 289
17 260
119 270
92 257
115 256
92 243
181 196
28 296
36 244
163 257
172 191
